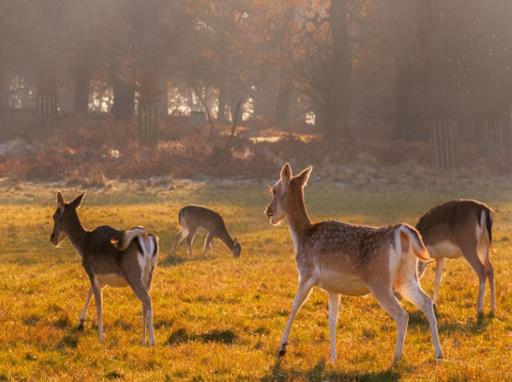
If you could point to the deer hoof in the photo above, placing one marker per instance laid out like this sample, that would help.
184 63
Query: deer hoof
282 350
80 326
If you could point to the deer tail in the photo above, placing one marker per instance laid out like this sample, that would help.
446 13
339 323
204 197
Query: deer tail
129 236
486 224
411 242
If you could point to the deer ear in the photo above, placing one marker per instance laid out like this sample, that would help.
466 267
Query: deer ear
76 203
286 173
60 201
303 177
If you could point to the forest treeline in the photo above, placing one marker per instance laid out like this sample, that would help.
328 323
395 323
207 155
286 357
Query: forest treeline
352 68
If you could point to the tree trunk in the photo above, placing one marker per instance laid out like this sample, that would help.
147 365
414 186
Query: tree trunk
124 101
4 91
223 102
164 100
340 94
47 97
82 82
403 119
284 98
4 83
149 108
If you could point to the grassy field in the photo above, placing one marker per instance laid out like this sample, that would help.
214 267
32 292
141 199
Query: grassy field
220 318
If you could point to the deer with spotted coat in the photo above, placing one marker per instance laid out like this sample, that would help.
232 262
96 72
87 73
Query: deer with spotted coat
354 260
455 229
109 257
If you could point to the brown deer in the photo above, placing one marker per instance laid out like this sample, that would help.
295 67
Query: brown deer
194 218
354 260
460 228
109 257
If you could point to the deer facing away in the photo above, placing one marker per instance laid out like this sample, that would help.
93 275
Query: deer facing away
193 218
109 257
346 259
460 228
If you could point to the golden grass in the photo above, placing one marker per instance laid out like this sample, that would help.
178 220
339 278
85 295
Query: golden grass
220 318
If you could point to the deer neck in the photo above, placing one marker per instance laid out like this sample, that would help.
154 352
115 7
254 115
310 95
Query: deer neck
76 233
298 219
226 239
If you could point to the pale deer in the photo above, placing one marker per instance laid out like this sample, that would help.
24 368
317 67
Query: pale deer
460 228
354 260
194 218
109 257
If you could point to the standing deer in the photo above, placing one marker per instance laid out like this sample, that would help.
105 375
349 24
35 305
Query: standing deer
194 218
346 259
109 257
455 229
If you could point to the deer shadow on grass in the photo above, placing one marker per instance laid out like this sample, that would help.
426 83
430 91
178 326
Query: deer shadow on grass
472 326
170 261
223 336
319 373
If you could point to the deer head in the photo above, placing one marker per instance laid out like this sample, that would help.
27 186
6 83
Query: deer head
64 216
287 194
237 248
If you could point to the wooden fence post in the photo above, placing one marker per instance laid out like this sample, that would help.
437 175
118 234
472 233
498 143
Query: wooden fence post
442 143
497 134
46 111
148 122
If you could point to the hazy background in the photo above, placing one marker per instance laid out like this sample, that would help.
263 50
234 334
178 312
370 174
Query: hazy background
92 90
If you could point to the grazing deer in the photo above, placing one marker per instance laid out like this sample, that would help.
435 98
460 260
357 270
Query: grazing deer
354 260
109 257
194 218
455 229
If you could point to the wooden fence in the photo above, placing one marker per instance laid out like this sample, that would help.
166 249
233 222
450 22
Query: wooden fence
497 138
148 122
46 111
442 143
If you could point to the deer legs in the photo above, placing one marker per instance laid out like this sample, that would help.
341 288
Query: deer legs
471 255
147 311
334 304
437 280
208 243
182 235
412 292
81 322
98 299
301 296
489 270
387 300
490 275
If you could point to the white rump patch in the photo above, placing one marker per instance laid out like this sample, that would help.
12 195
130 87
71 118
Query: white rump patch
145 259
395 255
480 227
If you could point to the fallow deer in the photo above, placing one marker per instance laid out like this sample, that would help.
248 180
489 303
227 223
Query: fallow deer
109 257
193 218
460 228
354 260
